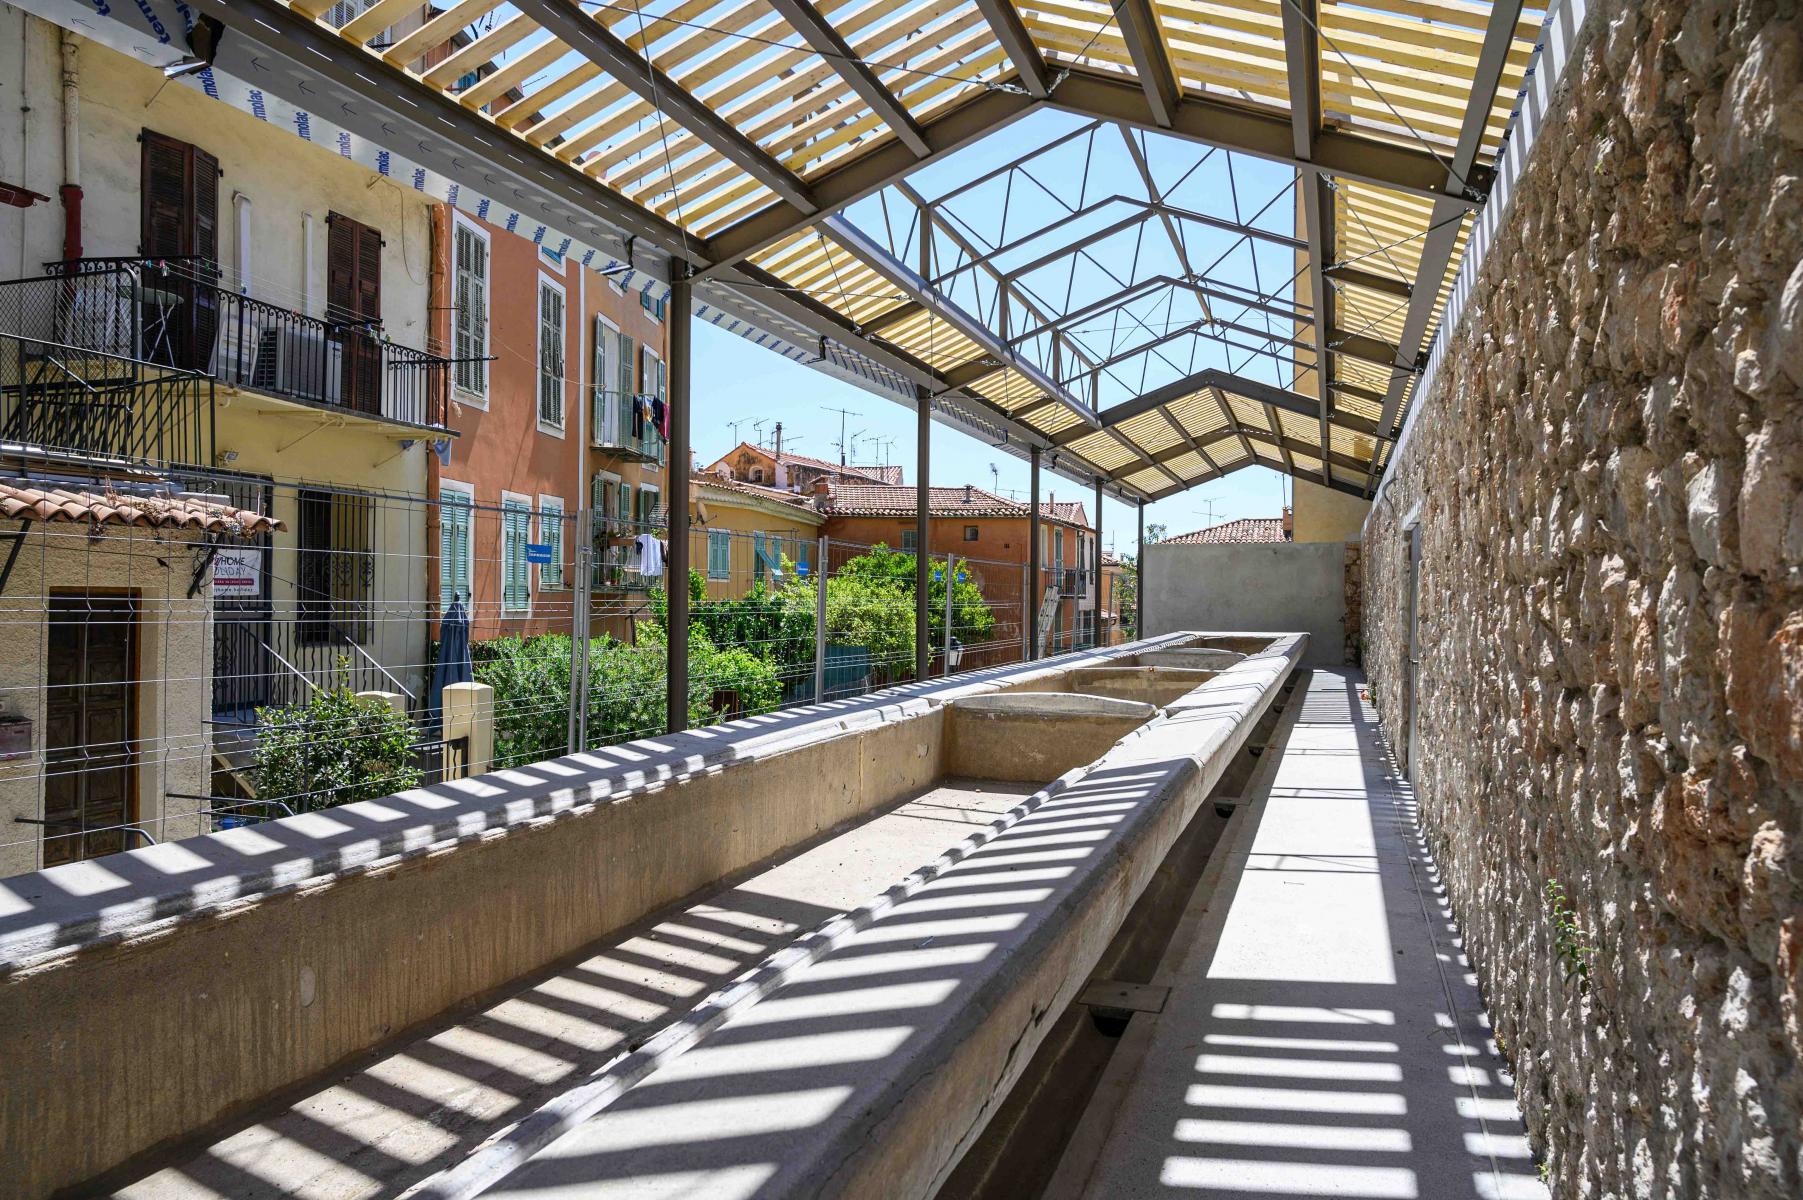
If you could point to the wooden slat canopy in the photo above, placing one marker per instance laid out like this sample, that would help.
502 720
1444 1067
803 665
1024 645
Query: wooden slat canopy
817 160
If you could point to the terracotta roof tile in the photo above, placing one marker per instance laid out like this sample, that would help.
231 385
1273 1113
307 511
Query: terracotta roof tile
778 495
1245 529
898 500
24 500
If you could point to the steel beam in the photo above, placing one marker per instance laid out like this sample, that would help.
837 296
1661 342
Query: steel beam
1456 184
1264 134
898 273
1281 442
273 45
1011 33
1151 59
923 471
676 502
1302 57
868 173
827 42
1300 473
1034 583
569 24
1370 281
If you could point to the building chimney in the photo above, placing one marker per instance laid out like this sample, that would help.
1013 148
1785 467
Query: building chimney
779 441
1289 524
967 491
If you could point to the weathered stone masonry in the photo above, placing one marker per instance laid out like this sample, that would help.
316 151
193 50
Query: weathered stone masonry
1609 477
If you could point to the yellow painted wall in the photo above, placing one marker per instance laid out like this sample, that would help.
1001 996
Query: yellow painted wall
1323 515
742 516
174 659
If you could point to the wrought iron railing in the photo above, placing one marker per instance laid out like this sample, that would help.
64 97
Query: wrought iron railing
73 377
181 315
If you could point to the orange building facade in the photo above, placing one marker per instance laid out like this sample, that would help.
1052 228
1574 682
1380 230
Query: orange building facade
555 370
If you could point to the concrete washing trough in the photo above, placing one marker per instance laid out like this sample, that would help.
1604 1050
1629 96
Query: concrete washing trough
436 990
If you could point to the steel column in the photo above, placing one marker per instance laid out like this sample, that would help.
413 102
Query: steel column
1139 576
923 456
1033 579
676 501
1095 607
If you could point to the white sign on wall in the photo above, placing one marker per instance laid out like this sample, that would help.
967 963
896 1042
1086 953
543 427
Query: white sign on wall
238 573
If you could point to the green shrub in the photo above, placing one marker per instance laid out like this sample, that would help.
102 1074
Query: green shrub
531 678
334 748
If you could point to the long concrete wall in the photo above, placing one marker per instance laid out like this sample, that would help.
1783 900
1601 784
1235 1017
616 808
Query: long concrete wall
1607 479
150 993
1285 585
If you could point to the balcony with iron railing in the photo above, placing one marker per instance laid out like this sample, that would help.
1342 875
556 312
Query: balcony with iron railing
618 435
74 377
176 313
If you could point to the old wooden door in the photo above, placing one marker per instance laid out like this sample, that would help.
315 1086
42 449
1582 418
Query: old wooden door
90 725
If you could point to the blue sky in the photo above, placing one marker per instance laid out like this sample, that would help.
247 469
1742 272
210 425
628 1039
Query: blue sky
737 381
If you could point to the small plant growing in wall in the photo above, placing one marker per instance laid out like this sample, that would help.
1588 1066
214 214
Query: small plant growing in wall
1569 943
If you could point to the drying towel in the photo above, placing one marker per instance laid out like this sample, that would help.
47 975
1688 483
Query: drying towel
649 555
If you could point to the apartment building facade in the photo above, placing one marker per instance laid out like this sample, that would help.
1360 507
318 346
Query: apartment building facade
219 318
557 393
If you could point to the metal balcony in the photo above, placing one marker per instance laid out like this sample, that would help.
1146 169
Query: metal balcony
174 312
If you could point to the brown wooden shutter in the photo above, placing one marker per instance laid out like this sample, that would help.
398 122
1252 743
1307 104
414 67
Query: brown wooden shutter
354 297
164 228
179 218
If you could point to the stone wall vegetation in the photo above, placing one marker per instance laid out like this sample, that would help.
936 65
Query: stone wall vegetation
1608 478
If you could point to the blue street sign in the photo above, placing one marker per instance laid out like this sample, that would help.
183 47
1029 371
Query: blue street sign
538 552
801 570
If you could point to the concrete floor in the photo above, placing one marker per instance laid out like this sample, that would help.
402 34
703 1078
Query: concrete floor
424 1103
1323 1035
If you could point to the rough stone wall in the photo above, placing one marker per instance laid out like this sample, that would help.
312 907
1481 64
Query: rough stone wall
1355 604
1609 479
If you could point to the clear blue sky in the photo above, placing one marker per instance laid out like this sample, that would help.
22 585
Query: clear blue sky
738 381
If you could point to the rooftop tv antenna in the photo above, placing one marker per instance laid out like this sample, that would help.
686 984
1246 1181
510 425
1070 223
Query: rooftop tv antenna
843 414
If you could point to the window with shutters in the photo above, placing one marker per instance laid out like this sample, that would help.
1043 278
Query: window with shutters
550 356
354 309
335 565
719 554
179 219
656 307
604 498
455 509
469 334
626 364
550 533
516 531
604 413
651 376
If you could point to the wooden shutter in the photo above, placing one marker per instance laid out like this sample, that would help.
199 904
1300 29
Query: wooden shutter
354 298
165 229
179 218
453 547
471 310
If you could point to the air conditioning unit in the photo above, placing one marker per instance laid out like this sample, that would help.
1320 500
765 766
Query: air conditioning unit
300 362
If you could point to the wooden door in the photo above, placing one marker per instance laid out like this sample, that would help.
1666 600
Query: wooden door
354 304
90 726
178 221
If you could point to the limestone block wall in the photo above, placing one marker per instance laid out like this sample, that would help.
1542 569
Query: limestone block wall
1608 480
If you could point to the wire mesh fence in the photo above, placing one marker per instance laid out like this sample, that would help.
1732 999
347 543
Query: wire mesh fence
158 682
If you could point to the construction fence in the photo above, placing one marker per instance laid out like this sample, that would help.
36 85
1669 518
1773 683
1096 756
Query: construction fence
158 683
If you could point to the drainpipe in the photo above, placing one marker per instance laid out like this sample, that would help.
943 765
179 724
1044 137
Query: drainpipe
71 189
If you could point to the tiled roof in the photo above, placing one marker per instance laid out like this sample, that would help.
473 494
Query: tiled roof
776 495
889 474
898 500
873 474
1245 529
20 499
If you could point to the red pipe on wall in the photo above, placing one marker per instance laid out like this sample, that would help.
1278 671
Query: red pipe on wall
71 194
